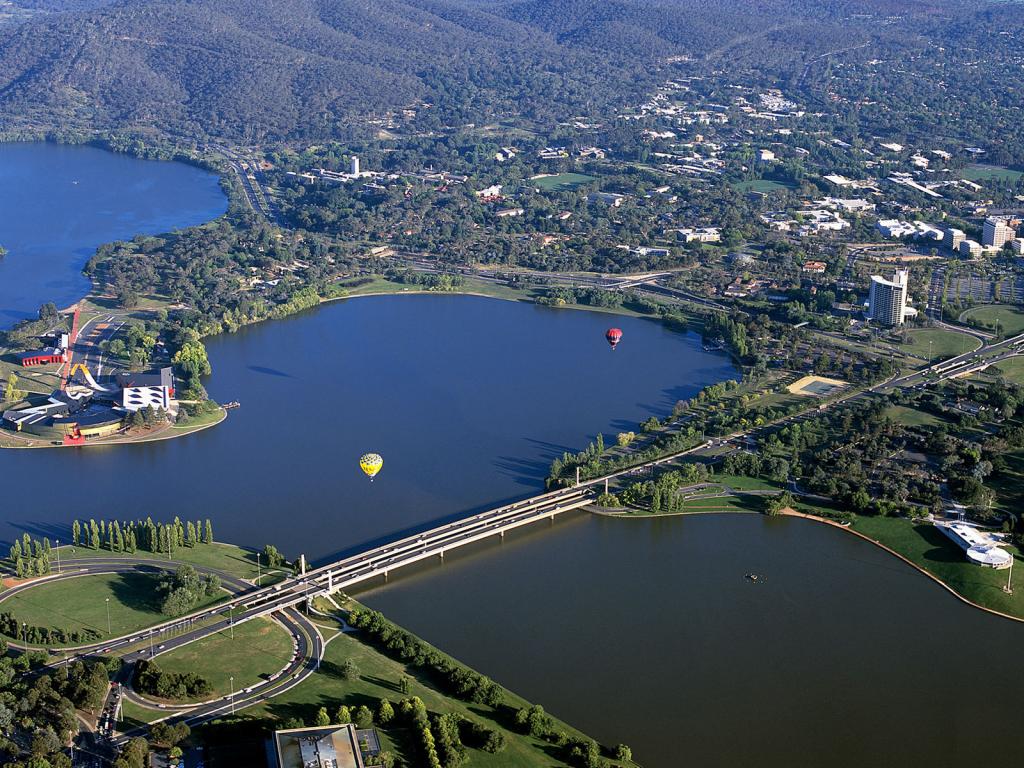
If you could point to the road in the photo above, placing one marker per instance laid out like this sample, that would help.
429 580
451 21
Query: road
147 644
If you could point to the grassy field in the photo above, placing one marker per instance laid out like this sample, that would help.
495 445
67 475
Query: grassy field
943 344
562 182
929 549
260 647
996 173
228 558
379 678
761 185
912 417
988 315
743 483
1012 369
81 603
1009 485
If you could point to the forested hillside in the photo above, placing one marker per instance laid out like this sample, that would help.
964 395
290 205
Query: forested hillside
271 70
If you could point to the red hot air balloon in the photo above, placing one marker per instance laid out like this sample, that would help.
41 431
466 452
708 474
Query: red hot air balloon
614 336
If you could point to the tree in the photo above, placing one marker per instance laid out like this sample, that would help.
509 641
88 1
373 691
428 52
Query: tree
322 718
404 685
363 717
385 712
274 558
343 716
622 752
76 532
11 392
349 670
208 532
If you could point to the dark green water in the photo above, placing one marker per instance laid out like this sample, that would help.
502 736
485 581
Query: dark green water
647 632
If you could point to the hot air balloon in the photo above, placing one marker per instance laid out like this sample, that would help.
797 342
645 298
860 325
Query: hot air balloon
371 463
614 336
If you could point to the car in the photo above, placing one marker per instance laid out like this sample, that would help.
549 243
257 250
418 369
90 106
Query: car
160 647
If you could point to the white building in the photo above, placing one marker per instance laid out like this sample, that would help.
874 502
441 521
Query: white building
887 299
765 156
895 228
952 238
970 248
700 235
355 167
996 233
980 547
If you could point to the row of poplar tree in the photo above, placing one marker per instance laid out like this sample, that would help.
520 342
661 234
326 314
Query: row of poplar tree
133 535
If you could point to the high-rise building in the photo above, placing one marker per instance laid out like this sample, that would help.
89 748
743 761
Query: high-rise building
996 233
887 299
355 165
952 238
971 249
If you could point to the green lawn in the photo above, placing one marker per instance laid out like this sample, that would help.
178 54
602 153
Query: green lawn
986 316
928 548
996 173
939 343
562 182
81 603
228 558
379 677
260 647
761 185
913 417
743 483
1011 369
1009 485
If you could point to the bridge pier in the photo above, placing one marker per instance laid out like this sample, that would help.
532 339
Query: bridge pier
441 554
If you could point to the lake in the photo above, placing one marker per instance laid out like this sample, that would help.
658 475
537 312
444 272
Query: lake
467 399
647 632
641 631
59 203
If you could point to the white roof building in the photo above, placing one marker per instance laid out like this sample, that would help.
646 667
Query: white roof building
980 547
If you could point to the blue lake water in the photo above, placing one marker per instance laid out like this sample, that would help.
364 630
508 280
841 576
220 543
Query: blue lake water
59 203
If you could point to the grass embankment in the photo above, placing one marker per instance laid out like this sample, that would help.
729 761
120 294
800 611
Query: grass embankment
938 343
930 550
261 647
81 603
1011 369
988 315
379 678
227 558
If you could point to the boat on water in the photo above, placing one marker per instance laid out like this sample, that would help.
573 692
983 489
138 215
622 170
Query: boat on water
232 404
755 577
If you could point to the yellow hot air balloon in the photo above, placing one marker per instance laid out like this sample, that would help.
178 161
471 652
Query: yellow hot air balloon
371 463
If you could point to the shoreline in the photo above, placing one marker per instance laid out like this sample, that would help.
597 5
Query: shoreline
825 521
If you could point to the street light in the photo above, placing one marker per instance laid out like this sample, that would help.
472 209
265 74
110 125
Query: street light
1008 589
58 555
232 679
257 569
107 601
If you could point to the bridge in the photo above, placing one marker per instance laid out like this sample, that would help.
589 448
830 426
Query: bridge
378 562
